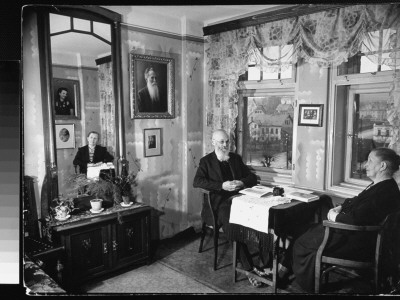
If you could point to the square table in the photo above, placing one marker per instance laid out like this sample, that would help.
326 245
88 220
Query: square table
282 220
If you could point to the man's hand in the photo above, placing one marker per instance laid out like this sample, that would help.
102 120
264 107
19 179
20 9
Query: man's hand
232 185
239 184
229 186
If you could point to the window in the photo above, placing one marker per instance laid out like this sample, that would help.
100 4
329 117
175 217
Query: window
281 67
266 137
375 54
365 126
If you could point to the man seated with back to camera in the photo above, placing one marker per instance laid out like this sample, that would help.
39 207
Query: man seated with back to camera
91 153
224 174
370 207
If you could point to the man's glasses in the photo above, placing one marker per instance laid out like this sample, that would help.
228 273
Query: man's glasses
222 142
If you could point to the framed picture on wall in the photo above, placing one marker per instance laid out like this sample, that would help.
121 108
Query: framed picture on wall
65 136
66 97
152 140
310 114
152 87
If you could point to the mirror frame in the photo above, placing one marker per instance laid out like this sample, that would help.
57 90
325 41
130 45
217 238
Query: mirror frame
94 13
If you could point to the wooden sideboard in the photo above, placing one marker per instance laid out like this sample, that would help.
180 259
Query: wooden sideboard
97 244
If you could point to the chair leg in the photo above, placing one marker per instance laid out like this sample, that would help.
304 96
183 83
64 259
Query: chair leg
317 282
203 235
234 262
216 234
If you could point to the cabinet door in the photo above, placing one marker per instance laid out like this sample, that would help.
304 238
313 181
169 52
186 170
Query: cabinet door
89 252
131 239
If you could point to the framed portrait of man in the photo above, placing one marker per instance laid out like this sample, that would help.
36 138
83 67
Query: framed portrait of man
66 97
152 87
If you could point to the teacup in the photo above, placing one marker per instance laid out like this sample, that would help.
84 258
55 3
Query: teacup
96 204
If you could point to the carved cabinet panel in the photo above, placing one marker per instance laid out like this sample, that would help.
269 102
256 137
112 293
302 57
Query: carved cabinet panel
102 244
88 251
131 239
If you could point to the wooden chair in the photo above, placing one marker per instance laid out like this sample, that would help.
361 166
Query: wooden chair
213 223
324 264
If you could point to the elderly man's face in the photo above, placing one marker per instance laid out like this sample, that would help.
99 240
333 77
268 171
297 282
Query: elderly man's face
152 78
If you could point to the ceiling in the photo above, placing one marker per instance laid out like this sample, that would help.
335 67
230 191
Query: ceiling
204 14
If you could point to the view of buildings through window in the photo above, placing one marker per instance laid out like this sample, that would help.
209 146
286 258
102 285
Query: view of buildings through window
370 129
269 132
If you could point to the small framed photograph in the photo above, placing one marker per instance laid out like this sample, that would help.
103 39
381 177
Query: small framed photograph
65 136
152 87
152 140
66 95
310 114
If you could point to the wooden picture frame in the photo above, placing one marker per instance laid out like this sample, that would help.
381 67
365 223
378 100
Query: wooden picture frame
65 136
142 107
310 114
73 99
152 141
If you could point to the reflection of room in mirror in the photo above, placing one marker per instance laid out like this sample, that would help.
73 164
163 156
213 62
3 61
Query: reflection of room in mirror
65 136
81 63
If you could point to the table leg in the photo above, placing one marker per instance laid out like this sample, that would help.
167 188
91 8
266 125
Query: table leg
234 258
275 264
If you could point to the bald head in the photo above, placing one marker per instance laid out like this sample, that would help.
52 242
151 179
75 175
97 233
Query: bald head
220 141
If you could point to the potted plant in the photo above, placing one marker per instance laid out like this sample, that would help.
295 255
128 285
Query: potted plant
62 207
123 186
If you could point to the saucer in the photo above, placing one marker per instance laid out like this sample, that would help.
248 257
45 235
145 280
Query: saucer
126 205
63 219
97 211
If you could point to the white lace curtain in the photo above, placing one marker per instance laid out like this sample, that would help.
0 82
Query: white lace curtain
107 106
326 38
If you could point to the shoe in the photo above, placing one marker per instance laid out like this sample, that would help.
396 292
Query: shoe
254 282
283 282
263 273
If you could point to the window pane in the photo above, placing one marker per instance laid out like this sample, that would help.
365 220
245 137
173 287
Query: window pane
367 65
287 73
59 23
102 30
270 75
254 73
80 24
268 136
371 129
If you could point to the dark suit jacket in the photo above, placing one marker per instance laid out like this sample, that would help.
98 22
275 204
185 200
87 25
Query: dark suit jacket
145 104
209 177
100 155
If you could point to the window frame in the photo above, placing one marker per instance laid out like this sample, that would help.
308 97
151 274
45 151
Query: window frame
373 82
253 88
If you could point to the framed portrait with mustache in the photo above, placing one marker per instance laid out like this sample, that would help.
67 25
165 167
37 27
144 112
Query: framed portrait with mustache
152 87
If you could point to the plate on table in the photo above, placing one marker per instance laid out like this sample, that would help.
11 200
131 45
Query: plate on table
63 219
126 205
97 211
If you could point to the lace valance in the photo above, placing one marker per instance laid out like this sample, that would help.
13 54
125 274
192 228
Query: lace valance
326 38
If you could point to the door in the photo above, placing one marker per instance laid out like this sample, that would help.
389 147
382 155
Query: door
131 239
89 251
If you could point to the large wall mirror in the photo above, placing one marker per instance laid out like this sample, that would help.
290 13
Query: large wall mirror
83 92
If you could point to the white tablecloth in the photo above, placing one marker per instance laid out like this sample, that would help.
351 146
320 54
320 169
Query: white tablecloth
254 212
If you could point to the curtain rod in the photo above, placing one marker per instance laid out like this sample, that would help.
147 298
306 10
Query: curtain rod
270 16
